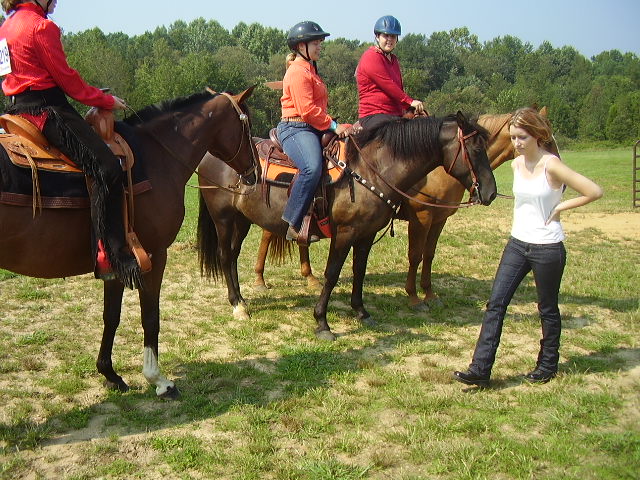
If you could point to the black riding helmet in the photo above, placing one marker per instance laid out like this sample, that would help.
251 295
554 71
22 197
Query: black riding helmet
305 32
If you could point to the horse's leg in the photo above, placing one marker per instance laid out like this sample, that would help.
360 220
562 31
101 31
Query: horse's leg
226 228
417 233
430 298
150 312
241 230
360 256
265 241
338 252
305 269
112 307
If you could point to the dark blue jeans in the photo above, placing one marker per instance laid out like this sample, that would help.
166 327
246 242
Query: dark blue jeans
518 259
301 142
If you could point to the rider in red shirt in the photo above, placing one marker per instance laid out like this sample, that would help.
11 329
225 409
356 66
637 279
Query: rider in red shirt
381 93
37 85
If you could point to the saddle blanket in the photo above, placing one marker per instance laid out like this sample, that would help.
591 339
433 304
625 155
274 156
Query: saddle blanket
57 189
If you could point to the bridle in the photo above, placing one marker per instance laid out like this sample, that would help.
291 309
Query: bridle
246 134
462 149
246 130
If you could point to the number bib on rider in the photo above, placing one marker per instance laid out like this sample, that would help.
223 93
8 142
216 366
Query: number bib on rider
5 58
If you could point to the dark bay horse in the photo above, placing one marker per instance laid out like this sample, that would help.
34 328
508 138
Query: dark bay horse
173 137
426 222
392 156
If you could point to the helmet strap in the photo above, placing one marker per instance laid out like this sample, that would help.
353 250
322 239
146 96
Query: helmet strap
307 57
379 48
46 8
306 48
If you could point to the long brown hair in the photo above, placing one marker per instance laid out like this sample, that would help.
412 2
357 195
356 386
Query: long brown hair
533 123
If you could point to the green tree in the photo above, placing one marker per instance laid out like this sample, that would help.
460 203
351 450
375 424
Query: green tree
259 40
99 62
338 64
596 108
198 36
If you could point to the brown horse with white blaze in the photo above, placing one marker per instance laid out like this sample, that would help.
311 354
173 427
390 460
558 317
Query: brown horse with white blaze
173 137
389 158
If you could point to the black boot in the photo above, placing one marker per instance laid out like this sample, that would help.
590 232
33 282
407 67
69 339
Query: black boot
124 264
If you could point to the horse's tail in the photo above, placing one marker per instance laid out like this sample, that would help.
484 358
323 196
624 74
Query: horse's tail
207 243
279 250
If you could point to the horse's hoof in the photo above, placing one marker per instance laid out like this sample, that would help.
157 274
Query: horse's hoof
313 284
326 335
172 393
120 386
369 322
420 307
260 287
240 313
433 302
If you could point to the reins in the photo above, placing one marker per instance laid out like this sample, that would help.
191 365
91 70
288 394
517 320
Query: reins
461 148
246 132
444 204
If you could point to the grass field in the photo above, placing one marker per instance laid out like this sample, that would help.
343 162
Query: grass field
265 400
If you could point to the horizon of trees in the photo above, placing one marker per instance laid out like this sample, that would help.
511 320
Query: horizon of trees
596 99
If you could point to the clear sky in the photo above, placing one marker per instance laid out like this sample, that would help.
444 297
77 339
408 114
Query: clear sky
590 26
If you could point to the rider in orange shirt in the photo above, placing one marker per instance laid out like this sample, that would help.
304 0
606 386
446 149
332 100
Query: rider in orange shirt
304 120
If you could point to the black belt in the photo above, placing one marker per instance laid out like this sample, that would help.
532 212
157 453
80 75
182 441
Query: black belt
39 98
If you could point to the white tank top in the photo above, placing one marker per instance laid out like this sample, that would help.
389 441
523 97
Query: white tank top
534 201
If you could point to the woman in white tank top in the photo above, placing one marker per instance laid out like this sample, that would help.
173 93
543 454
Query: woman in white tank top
535 245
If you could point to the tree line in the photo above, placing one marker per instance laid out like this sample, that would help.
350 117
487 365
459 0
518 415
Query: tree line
596 99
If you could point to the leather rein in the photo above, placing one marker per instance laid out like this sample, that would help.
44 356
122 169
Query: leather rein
246 130
462 148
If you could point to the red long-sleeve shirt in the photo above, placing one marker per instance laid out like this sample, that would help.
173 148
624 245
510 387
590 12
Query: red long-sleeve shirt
380 84
38 60
305 95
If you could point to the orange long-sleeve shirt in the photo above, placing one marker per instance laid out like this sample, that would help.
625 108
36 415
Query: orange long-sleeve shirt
305 95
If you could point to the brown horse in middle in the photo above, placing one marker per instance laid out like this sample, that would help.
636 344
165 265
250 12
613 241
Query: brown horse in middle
391 158
425 221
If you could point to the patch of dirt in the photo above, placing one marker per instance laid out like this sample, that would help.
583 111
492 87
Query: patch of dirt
621 226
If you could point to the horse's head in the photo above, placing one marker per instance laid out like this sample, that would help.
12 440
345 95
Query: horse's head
465 157
233 143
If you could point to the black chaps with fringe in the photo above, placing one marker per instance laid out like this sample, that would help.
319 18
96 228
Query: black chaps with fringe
72 135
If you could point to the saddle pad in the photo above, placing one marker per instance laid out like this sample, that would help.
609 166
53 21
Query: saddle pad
278 169
59 190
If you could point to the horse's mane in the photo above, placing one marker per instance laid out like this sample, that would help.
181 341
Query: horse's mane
406 137
493 122
410 138
167 106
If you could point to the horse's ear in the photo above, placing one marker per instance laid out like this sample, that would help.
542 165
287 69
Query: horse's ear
460 118
242 96
544 111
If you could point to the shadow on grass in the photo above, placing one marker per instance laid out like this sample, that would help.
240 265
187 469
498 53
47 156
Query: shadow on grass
463 298
208 389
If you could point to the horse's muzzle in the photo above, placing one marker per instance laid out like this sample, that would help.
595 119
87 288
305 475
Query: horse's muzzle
479 199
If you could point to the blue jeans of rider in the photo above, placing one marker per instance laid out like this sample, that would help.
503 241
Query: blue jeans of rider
301 142
518 259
